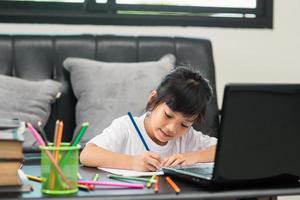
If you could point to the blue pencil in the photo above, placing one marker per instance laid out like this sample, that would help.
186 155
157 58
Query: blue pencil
138 131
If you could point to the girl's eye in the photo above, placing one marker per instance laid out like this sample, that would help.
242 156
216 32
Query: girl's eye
168 116
184 126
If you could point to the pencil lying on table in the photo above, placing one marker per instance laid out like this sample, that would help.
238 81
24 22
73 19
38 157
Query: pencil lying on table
83 187
34 178
104 183
95 178
39 180
156 187
151 180
129 178
173 184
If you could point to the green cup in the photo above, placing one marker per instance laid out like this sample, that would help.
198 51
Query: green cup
67 160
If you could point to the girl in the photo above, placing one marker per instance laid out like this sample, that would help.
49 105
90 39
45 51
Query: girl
178 102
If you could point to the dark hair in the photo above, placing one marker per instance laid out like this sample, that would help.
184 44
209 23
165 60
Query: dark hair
185 91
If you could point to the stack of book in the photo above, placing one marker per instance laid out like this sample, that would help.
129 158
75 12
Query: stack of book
11 155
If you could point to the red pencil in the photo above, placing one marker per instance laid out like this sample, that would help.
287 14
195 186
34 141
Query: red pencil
156 184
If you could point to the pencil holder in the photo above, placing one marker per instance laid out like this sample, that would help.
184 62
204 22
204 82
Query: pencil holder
59 177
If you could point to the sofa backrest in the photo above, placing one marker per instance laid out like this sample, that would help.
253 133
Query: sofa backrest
37 57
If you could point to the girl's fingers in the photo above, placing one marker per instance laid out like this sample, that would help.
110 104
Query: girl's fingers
154 155
169 161
151 168
173 160
164 161
154 163
177 162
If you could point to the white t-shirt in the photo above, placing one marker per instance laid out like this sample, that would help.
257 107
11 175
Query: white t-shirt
122 137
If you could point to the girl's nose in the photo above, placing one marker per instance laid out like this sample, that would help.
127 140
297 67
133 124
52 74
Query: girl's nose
171 128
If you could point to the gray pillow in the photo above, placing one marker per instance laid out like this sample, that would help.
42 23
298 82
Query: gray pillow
27 100
106 90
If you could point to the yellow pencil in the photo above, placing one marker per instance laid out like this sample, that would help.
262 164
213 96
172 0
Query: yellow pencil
34 178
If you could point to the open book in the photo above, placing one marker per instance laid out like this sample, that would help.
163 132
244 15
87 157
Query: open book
124 172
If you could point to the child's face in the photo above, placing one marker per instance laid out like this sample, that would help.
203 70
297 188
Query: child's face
165 124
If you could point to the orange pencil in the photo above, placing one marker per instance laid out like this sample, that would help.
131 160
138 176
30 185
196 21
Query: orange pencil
173 185
58 138
156 184
55 132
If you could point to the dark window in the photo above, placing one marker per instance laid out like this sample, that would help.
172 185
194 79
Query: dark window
215 13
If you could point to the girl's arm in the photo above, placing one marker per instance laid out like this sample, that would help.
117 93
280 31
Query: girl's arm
94 156
206 155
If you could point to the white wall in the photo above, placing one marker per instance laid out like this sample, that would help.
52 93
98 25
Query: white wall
241 55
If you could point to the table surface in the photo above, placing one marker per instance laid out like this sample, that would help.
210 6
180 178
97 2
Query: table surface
189 190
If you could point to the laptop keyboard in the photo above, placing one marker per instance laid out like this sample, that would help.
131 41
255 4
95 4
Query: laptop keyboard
200 170
207 171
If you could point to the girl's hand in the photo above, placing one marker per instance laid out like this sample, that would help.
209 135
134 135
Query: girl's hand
181 159
147 161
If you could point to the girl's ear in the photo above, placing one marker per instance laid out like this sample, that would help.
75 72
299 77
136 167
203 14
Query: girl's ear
151 100
152 95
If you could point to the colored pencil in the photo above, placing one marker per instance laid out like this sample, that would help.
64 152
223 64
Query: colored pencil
39 180
83 187
80 134
42 132
75 133
34 178
138 131
77 139
151 180
42 143
105 183
58 138
118 177
173 185
79 176
156 187
55 131
95 178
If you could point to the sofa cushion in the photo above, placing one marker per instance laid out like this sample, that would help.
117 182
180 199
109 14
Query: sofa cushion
29 101
106 90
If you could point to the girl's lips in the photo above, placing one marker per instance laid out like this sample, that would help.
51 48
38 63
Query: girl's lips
165 134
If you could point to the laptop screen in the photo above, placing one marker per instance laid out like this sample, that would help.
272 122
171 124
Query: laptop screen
259 133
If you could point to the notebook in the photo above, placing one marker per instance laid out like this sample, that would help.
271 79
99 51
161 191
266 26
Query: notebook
132 173
258 139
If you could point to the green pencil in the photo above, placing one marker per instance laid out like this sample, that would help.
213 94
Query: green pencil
82 131
117 177
78 137
96 177
149 183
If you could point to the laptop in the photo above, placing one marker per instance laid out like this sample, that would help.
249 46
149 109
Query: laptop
258 139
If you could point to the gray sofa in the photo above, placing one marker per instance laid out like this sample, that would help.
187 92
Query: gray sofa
38 57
